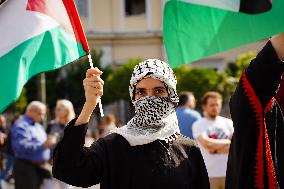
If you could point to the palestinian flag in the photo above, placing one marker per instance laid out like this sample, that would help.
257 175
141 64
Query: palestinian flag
195 29
36 36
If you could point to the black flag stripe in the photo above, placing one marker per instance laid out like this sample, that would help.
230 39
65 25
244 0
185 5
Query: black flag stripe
255 6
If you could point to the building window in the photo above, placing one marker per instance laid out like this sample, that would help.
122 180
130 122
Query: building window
106 58
135 7
82 7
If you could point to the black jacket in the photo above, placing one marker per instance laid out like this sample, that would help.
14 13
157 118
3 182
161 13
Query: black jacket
113 163
256 159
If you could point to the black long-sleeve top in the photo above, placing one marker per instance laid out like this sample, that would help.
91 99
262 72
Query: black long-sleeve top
113 163
255 158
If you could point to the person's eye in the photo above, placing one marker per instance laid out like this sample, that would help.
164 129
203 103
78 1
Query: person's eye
160 91
140 92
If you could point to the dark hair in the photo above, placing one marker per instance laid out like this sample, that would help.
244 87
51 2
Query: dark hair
184 97
210 94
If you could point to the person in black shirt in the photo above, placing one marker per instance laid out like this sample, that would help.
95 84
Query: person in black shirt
148 152
256 157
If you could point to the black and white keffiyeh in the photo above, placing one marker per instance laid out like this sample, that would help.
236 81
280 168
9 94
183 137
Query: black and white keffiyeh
155 117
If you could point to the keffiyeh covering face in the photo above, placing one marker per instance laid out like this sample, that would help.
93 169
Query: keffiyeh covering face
155 117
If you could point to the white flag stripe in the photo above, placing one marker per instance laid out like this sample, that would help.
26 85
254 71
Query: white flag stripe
18 25
232 5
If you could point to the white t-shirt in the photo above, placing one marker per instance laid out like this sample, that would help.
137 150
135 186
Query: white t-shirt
220 128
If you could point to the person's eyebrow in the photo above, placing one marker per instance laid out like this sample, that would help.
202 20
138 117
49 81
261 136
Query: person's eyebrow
160 87
157 87
140 88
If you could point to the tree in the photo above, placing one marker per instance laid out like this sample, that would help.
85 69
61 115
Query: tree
235 69
20 105
230 77
117 83
197 80
226 86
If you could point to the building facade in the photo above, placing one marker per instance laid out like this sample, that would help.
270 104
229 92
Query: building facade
123 29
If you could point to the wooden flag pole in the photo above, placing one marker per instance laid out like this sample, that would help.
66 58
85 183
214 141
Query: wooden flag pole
100 101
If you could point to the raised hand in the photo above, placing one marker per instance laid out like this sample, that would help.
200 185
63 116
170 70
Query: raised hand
93 86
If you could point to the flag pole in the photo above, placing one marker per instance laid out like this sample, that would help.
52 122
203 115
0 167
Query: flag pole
43 93
100 101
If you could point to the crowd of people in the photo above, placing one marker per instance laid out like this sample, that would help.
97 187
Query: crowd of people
27 145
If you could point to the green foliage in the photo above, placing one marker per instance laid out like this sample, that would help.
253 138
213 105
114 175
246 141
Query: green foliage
226 86
197 80
116 84
20 105
201 80
231 75
235 69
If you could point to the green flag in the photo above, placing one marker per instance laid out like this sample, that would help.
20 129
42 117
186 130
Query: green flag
193 31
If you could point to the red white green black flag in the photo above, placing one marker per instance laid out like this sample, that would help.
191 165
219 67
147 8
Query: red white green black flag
36 36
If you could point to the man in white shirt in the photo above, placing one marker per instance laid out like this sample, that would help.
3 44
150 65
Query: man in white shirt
213 134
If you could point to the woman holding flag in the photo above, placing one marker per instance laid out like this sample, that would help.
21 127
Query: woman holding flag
148 152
